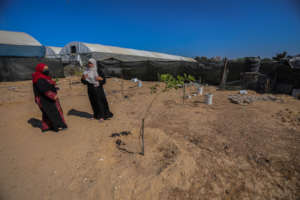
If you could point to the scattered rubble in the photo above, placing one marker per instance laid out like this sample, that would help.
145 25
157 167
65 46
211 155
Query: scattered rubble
248 99
289 116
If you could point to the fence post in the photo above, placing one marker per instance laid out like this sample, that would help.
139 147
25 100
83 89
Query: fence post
183 93
224 74
142 137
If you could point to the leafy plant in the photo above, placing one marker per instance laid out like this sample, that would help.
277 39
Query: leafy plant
169 80
172 82
188 78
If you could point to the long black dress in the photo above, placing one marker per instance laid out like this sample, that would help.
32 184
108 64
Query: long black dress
98 99
44 93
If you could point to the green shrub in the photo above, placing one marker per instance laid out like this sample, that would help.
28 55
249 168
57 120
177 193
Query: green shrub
172 82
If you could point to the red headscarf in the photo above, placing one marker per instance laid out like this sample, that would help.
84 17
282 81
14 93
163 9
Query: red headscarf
39 74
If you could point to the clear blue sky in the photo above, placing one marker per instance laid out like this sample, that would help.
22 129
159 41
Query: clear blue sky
232 28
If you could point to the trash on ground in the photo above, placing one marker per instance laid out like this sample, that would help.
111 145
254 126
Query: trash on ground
243 92
135 80
209 99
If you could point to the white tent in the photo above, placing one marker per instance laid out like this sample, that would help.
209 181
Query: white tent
295 62
19 44
103 52
52 52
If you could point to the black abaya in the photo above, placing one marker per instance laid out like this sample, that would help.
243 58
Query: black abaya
44 93
98 99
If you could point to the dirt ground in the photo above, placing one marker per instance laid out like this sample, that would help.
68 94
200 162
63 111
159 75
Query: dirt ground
192 151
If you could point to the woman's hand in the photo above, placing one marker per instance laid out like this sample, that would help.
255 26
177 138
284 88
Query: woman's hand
84 76
99 78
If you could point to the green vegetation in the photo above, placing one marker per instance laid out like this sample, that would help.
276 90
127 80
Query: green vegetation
175 82
78 73
153 89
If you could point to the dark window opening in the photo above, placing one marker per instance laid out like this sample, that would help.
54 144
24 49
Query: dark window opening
73 49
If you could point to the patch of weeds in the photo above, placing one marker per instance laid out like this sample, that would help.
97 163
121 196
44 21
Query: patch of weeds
153 89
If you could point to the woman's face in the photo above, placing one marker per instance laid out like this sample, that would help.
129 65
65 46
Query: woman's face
90 65
46 71
45 68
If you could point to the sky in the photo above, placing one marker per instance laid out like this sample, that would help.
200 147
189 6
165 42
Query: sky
226 28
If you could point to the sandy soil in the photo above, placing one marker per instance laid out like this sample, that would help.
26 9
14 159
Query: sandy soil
192 151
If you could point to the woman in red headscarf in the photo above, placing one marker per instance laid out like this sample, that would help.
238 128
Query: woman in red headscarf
45 92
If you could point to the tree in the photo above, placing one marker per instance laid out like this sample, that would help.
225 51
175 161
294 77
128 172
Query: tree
202 59
280 56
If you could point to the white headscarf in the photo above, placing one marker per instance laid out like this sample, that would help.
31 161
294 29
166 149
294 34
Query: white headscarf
92 73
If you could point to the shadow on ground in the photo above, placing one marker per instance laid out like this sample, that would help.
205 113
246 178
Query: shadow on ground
36 123
78 113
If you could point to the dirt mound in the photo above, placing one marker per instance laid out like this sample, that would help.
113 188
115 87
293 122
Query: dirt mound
165 164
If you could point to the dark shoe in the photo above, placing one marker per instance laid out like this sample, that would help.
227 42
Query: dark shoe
109 115
55 129
45 130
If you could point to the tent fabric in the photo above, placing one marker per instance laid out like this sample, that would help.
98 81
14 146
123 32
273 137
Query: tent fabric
147 70
295 62
17 38
20 45
52 52
103 52
21 51
55 50
17 69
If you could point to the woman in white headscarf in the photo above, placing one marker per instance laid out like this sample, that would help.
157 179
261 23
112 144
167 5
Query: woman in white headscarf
94 79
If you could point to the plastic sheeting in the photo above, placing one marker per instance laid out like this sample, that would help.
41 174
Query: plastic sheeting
103 52
17 38
22 50
52 52
295 62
